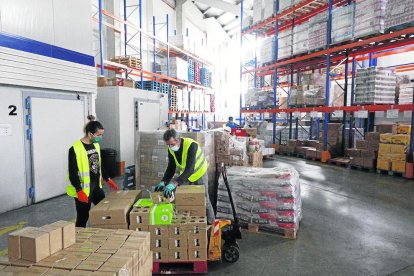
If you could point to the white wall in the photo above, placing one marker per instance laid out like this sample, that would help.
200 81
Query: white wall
65 24
12 169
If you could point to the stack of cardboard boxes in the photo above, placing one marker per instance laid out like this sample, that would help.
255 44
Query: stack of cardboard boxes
398 12
226 152
113 211
375 85
152 155
334 139
365 152
175 236
34 244
393 148
99 252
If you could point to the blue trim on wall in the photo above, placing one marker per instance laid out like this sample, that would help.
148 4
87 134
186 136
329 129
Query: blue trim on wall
39 48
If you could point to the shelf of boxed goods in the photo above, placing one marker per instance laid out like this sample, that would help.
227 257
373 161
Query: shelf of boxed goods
372 44
300 13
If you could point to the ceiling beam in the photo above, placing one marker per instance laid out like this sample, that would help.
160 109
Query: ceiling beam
224 6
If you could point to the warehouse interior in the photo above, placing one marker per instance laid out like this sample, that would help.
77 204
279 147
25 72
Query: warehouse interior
228 137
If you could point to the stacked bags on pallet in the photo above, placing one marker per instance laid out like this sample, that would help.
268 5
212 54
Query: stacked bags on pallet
268 197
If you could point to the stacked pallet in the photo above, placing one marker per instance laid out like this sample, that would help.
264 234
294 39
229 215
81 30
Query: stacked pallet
81 251
300 38
267 50
365 152
129 61
367 23
317 31
228 150
393 149
285 41
342 24
375 85
399 14
334 139
275 205
406 93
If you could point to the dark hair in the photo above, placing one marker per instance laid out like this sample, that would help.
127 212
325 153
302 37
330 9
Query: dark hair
230 118
171 133
93 126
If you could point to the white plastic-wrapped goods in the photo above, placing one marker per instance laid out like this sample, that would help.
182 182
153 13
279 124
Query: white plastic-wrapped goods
269 197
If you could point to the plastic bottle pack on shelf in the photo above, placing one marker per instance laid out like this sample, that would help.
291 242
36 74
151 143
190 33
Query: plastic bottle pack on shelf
257 11
406 93
375 86
269 197
399 13
285 44
317 31
267 50
342 23
372 22
285 4
300 38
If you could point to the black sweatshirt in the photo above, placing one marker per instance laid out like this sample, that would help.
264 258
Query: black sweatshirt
95 174
189 168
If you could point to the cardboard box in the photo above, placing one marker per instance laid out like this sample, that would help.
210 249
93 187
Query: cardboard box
178 228
98 257
36 270
197 240
196 224
68 232
56 238
139 216
14 252
34 245
398 149
386 138
89 265
161 214
199 211
177 243
175 255
110 211
362 144
193 195
158 197
104 273
121 82
158 230
402 139
68 264
123 226
197 254
398 166
385 128
403 129
383 164
56 272
384 148
353 152
159 242
160 255
102 81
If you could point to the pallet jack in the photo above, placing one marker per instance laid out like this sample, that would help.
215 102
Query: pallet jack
224 233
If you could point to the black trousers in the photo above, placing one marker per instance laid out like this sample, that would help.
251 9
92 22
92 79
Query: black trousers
82 208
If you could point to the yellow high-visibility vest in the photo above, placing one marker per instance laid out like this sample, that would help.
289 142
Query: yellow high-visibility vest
201 164
84 170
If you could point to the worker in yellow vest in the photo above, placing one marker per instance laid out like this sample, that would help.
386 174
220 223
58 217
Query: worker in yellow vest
185 154
86 172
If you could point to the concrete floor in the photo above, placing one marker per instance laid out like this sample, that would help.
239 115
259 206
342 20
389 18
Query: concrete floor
354 223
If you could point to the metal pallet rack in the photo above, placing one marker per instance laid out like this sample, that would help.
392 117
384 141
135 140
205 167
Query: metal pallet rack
349 53
160 47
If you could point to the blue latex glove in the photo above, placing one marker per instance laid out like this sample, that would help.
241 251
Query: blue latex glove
160 187
169 189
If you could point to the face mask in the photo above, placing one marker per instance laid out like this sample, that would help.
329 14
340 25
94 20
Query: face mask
96 139
175 148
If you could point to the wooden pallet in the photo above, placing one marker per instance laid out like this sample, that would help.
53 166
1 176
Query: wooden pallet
290 234
390 173
339 161
182 267
130 61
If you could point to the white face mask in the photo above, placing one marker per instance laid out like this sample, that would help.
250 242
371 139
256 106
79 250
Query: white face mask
175 148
